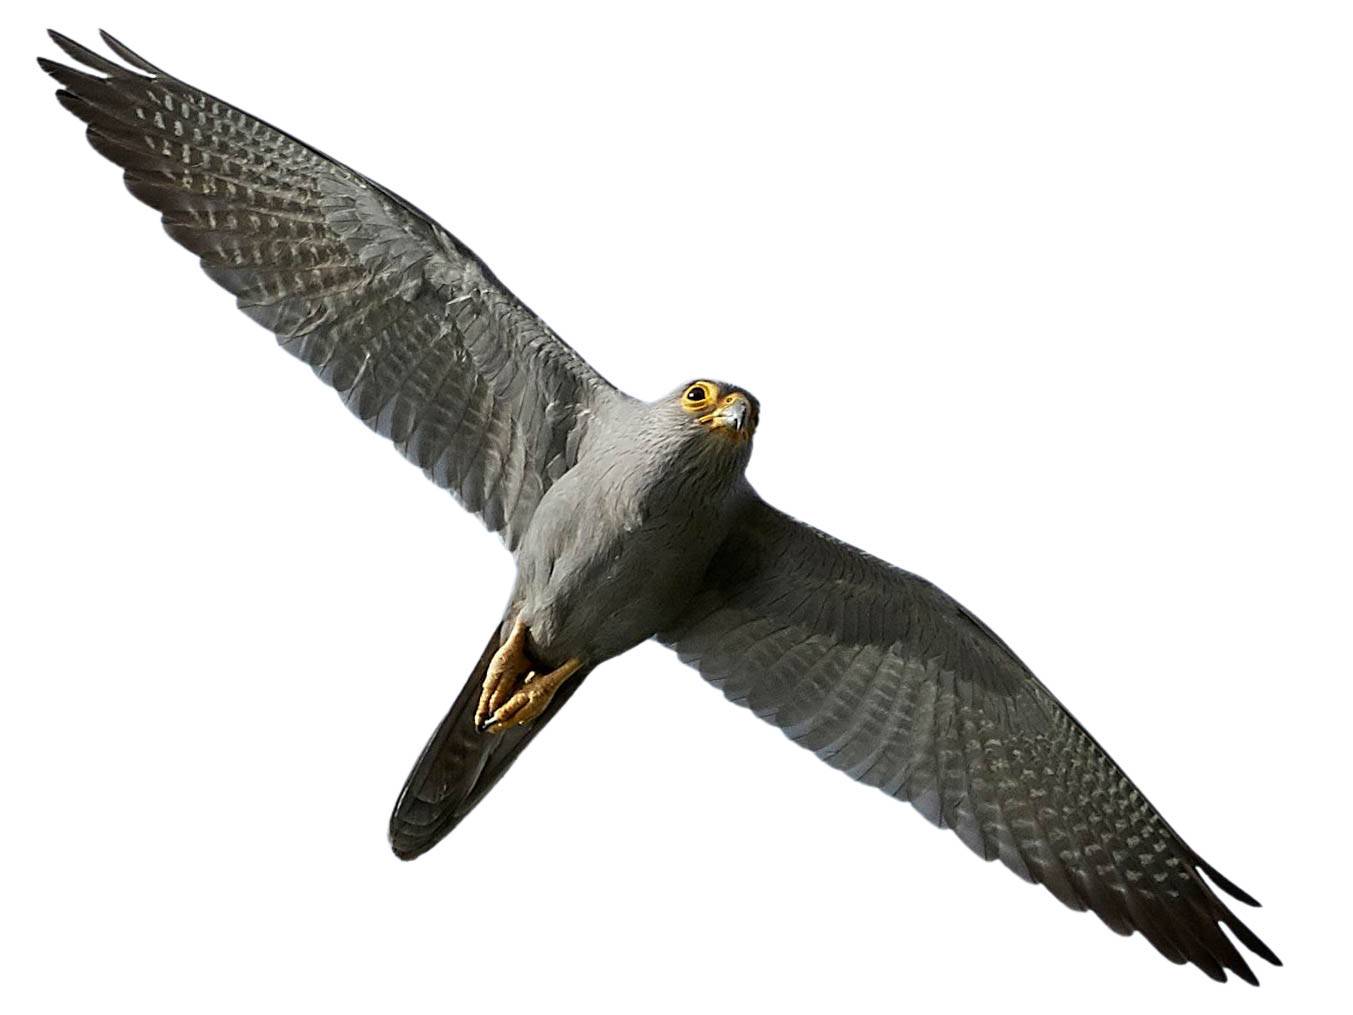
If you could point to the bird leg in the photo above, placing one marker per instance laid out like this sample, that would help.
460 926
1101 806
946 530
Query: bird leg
514 690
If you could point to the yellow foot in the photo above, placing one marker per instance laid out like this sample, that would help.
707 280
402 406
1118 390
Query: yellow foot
513 693
509 665
531 700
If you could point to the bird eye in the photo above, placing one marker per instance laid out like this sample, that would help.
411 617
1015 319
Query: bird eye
696 394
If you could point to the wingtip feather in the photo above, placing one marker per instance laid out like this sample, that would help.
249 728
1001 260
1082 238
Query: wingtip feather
130 55
1226 884
85 55
1250 939
67 76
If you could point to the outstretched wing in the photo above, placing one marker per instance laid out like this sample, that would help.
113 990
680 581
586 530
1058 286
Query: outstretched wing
416 334
885 677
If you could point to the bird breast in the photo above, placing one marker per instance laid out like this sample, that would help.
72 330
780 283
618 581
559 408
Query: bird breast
612 554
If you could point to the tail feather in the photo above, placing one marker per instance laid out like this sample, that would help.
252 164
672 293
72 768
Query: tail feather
460 765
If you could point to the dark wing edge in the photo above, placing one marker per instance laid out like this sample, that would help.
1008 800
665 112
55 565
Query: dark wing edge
419 338
888 679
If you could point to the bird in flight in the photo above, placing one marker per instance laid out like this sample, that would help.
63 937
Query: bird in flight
630 520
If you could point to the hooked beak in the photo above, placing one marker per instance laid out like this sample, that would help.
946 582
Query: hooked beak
733 417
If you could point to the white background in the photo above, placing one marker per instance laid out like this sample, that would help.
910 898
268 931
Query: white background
1081 274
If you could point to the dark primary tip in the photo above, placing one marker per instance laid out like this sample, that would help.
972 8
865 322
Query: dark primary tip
84 55
1226 884
1262 950
133 58
1246 974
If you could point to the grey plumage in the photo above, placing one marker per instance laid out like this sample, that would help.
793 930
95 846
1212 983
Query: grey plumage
621 542
632 519
888 679
424 344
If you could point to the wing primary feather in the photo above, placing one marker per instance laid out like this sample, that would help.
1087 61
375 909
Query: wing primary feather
85 55
1225 884
132 58
69 77
971 738
1205 908
1249 938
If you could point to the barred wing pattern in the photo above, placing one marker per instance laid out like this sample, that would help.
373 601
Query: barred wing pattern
415 333
885 677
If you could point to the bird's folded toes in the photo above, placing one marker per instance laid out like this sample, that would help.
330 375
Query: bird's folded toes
510 667
528 702
518 710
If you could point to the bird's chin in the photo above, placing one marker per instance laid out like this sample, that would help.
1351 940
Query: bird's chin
729 434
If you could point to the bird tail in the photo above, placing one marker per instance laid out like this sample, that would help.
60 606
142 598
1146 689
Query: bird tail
460 765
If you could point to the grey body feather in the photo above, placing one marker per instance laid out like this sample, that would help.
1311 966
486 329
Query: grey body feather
618 546
627 520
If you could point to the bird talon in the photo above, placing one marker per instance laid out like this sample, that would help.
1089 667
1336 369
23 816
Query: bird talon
519 709
500 683
504 698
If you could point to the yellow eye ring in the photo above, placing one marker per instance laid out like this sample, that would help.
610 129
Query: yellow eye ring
700 395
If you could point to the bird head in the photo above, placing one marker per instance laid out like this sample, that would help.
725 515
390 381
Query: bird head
725 411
